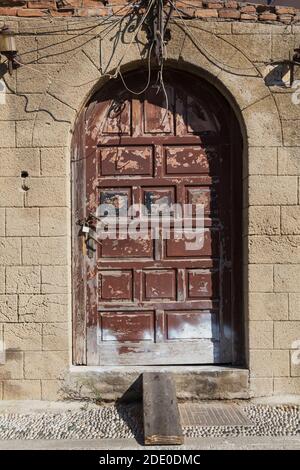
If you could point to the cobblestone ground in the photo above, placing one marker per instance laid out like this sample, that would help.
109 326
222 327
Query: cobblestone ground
126 422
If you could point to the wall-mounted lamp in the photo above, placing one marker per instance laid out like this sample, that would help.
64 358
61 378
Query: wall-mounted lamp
8 47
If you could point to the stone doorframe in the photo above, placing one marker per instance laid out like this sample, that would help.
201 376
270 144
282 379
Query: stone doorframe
254 105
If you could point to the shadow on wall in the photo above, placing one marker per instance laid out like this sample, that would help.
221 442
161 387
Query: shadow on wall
3 86
278 75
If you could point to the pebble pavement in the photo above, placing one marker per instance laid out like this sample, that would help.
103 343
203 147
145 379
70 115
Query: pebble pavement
125 421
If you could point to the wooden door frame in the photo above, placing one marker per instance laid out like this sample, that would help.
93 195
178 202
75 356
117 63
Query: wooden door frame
79 282
78 171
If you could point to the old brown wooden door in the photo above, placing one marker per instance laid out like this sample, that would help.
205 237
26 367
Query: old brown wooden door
155 301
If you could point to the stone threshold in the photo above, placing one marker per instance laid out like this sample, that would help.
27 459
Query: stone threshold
163 368
192 382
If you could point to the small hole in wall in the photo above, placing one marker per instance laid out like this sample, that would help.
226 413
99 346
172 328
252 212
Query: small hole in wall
24 175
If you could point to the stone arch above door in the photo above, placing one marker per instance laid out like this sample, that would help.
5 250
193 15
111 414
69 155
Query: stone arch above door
240 81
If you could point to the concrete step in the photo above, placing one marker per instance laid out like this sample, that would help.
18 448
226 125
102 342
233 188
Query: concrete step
192 382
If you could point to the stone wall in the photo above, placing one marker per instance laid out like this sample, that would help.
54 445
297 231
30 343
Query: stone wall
65 59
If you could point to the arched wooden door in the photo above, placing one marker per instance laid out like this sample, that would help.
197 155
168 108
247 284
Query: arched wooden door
143 302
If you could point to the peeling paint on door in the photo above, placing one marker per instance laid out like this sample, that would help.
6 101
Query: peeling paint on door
157 301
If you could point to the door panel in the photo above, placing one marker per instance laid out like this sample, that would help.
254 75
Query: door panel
188 160
130 160
191 325
115 285
127 326
159 301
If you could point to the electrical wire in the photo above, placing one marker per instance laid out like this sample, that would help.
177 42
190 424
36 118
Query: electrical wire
207 54
162 83
112 24
98 35
133 38
54 79
149 75
72 21
105 20
117 72
82 25
160 73
195 26
72 85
